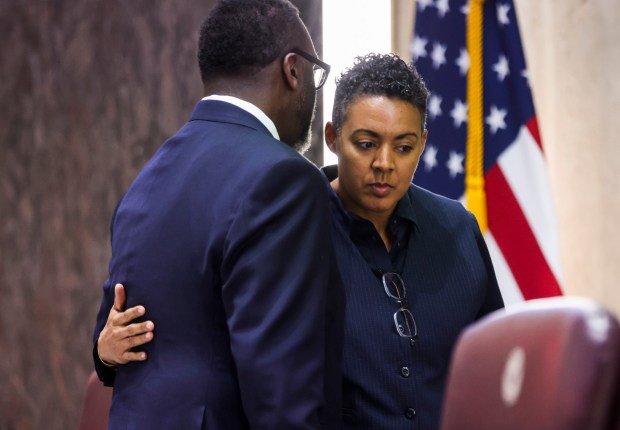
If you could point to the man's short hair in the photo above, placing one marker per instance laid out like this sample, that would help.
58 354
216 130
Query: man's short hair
243 36
379 75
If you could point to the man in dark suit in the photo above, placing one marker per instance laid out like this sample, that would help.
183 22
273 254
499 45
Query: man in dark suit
224 237
415 265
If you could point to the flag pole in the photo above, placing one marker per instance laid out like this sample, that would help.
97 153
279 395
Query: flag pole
475 194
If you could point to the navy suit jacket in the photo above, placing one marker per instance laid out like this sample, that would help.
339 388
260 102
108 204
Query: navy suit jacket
225 238
450 282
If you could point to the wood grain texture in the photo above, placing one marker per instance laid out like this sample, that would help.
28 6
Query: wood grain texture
88 91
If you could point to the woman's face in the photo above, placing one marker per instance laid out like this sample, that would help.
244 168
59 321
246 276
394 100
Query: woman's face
378 150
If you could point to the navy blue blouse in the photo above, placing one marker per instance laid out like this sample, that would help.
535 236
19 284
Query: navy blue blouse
449 279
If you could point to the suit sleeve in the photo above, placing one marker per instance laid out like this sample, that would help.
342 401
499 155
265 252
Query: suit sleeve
276 292
493 298
106 374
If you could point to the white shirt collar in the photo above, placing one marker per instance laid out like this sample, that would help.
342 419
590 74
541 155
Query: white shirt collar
251 109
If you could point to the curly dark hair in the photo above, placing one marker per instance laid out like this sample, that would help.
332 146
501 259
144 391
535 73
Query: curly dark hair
383 75
241 36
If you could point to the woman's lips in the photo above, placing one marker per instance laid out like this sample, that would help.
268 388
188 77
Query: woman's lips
380 189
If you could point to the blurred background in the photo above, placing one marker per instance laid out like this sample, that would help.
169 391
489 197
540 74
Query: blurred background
90 89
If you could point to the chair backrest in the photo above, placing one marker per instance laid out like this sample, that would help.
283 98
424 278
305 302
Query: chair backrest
545 364
96 405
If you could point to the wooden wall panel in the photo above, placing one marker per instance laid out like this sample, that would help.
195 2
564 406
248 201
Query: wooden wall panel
88 91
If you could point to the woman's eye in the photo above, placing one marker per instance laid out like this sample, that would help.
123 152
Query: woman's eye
365 145
404 148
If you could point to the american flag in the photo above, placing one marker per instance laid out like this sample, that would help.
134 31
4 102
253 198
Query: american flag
521 233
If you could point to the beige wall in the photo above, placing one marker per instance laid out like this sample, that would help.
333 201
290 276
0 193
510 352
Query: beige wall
573 52
574 59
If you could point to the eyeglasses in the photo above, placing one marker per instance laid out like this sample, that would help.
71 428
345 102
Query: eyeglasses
403 318
320 69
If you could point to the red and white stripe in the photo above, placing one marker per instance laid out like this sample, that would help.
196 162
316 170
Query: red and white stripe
522 236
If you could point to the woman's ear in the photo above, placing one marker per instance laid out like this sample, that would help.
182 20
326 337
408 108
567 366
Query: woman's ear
330 136
291 70
424 138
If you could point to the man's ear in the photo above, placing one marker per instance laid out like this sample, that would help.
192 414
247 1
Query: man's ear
330 136
291 70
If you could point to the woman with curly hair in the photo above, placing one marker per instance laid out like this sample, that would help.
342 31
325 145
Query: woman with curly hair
415 266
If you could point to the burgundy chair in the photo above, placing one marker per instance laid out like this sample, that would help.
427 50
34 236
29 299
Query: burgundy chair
545 364
96 405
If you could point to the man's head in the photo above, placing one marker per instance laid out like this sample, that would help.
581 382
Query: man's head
378 134
240 37
246 49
